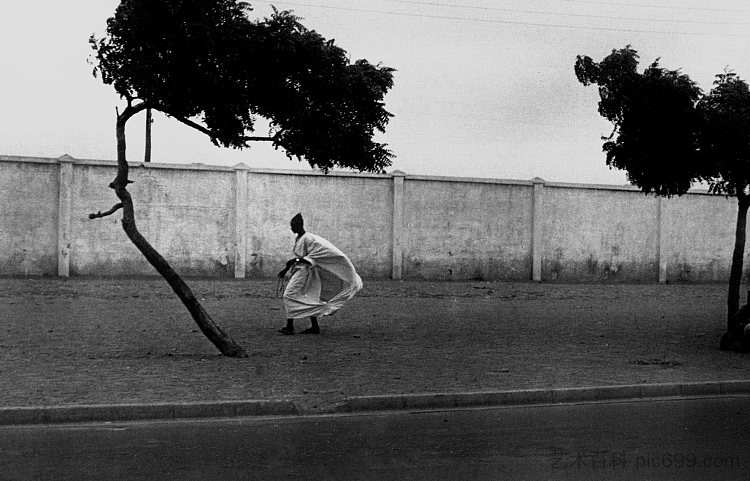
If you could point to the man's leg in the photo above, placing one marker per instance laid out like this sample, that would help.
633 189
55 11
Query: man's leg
289 328
314 328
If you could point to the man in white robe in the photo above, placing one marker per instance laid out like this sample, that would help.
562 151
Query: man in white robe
323 279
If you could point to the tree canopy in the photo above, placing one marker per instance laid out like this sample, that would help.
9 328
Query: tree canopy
656 124
210 66
667 132
725 136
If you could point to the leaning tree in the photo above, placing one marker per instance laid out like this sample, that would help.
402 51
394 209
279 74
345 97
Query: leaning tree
206 64
668 134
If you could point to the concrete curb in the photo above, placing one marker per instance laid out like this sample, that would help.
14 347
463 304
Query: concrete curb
138 412
541 396
169 411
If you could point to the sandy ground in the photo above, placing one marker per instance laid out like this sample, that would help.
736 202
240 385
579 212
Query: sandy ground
114 340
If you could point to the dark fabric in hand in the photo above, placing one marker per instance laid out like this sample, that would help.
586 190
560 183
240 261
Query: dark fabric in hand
290 263
282 273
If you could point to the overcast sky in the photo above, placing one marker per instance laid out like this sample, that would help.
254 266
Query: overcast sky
482 88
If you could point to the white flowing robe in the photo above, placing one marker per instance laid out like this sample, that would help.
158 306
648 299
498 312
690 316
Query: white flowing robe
324 286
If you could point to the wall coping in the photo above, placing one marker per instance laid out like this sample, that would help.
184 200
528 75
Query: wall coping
395 173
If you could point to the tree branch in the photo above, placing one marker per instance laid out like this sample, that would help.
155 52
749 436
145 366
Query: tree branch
111 211
210 133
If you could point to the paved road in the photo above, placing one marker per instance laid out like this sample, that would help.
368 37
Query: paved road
663 439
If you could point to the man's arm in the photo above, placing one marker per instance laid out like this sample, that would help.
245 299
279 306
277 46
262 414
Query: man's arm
291 262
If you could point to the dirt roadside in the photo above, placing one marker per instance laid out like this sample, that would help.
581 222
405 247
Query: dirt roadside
114 340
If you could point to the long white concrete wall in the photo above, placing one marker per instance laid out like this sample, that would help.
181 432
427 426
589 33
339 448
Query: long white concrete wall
234 222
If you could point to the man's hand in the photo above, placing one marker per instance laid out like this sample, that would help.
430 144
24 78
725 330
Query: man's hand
282 273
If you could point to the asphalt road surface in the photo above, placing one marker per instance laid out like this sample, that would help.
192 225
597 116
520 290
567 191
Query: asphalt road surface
682 440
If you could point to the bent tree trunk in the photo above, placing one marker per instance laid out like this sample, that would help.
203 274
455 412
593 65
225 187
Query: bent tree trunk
735 276
214 334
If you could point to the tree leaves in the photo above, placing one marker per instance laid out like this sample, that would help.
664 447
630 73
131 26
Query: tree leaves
207 61
655 122
725 138
668 134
